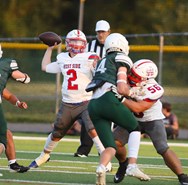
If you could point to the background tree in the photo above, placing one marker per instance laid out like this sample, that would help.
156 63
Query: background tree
28 18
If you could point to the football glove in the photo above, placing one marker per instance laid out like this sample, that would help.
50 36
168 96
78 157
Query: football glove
117 95
136 91
21 105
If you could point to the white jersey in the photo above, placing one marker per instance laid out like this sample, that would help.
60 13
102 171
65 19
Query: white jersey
77 73
152 91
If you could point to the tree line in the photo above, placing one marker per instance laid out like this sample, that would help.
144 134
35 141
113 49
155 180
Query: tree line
29 18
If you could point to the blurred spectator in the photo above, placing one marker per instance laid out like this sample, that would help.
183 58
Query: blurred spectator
170 122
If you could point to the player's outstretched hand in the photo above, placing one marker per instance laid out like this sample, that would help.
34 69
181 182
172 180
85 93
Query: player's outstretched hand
52 47
21 105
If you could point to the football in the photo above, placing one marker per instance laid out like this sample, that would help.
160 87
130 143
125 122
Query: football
50 38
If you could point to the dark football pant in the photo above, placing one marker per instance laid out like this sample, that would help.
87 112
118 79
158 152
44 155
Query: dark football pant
3 127
86 142
107 109
68 113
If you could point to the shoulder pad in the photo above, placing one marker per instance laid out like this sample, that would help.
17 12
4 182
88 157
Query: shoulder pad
153 91
14 64
121 57
62 55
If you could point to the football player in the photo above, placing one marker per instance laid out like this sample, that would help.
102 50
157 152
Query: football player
77 68
10 149
8 68
147 109
109 85
102 29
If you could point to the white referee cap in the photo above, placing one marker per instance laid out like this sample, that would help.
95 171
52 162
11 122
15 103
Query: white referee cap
102 26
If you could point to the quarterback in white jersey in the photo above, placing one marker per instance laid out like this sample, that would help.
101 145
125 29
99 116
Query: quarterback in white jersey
77 72
77 69
148 111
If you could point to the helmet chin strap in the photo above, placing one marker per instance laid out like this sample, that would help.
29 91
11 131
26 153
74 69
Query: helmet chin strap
71 54
76 51
140 84
143 82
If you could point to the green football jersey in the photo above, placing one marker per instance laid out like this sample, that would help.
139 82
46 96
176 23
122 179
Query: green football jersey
7 66
107 68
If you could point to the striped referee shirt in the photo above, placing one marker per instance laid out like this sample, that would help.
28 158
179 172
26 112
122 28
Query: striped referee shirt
96 47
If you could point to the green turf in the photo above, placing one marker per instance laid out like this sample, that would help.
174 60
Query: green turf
65 169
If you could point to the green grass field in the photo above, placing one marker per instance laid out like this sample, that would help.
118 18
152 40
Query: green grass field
64 169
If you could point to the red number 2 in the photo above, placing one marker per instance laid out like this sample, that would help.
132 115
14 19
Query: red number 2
72 78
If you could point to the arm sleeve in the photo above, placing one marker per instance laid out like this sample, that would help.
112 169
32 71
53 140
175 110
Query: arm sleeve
14 65
53 68
124 60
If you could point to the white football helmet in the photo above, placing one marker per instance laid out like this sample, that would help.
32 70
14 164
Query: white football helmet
1 52
142 71
116 42
75 41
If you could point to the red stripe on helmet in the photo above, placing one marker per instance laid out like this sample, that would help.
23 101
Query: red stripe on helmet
147 61
78 32
134 73
94 57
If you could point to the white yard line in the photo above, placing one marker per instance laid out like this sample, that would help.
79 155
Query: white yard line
168 178
78 140
40 182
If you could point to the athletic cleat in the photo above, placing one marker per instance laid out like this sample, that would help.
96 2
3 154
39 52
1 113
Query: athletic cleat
120 174
100 176
43 158
183 179
15 167
33 165
109 167
79 155
133 170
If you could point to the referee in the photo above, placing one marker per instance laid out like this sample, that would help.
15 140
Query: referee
97 45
